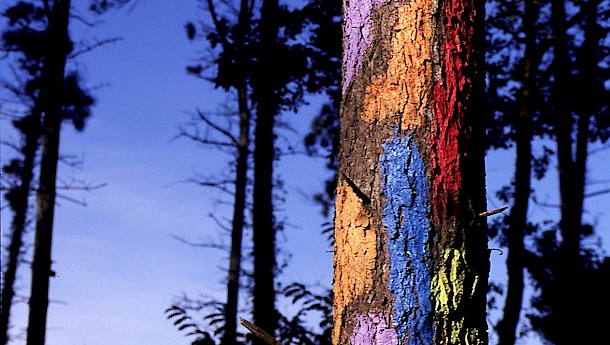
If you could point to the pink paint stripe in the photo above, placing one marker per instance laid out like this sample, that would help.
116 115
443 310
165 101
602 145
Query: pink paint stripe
357 36
372 329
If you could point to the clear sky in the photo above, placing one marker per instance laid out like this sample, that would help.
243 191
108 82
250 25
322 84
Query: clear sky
118 266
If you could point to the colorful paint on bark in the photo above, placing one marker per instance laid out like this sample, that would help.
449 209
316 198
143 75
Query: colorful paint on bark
355 276
373 329
357 36
401 272
405 86
405 219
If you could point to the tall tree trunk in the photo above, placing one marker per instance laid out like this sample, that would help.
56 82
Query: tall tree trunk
241 176
30 126
51 98
507 327
569 224
411 258
264 87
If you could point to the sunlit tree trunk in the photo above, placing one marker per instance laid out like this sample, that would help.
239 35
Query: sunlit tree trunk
411 257
51 106
264 89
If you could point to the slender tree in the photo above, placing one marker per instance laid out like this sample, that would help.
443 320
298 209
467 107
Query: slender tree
24 40
19 201
52 78
411 258
579 118
265 86
241 175
517 219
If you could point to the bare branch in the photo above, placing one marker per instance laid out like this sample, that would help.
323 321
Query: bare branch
220 185
84 21
221 130
597 193
219 222
72 200
208 245
212 10
82 187
89 47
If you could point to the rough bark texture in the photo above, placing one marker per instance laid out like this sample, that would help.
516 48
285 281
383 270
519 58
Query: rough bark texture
264 312
507 327
411 260
31 129
241 175
51 100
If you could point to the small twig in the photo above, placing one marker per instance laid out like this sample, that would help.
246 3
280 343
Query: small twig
365 199
498 249
492 212
264 336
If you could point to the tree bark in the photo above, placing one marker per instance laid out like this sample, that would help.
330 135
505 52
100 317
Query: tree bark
31 131
51 98
264 87
411 258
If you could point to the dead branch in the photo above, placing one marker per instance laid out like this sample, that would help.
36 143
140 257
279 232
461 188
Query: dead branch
261 334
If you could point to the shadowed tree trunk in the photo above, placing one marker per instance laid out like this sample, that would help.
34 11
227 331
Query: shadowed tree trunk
572 150
51 105
237 229
30 127
411 257
264 89
569 183
517 223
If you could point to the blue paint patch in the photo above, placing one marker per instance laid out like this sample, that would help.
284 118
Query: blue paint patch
405 218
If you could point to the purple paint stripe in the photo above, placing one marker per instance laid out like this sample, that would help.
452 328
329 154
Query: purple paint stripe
373 329
357 35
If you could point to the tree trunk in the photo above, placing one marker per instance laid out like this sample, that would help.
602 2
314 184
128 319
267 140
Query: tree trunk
241 176
411 258
51 98
572 156
507 327
30 126
569 224
264 87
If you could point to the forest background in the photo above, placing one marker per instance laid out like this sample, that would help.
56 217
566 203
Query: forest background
118 261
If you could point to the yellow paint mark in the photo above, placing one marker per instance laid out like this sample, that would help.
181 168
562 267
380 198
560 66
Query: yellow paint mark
355 251
448 290
403 89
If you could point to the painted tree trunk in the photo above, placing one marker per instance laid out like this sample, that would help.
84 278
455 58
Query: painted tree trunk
51 98
411 257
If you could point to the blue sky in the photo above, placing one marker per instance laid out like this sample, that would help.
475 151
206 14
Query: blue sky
118 266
